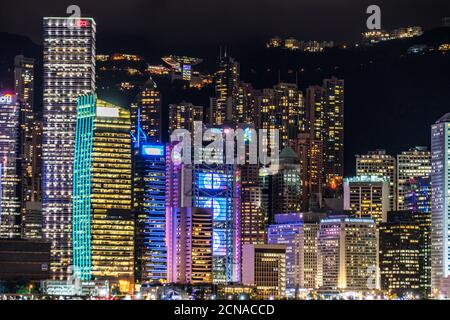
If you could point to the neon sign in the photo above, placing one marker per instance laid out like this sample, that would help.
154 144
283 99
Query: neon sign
153 150
6 99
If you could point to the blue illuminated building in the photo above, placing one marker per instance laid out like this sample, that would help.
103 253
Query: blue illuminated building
149 189
216 186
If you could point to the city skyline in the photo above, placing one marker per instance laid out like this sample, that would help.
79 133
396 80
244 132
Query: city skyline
165 180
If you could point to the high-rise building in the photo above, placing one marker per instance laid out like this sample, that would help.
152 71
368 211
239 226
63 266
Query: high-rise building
440 206
183 115
149 191
245 112
405 252
190 246
10 218
24 89
288 231
367 196
348 254
414 163
325 110
287 185
216 187
32 221
226 88
253 220
102 220
282 108
264 267
146 110
309 151
298 232
30 151
378 163
69 71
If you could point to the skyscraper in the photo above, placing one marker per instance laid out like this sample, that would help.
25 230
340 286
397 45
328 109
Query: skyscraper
404 262
69 71
378 163
102 220
30 142
325 110
216 187
367 196
440 206
348 254
24 88
310 153
286 184
149 191
190 246
288 230
10 219
183 115
414 163
226 89
146 110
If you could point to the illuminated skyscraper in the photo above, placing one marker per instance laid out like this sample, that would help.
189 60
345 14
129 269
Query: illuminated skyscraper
216 187
103 222
30 148
190 246
226 88
378 163
245 112
282 108
149 191
288 230
254 216
287 185
440 206
310 154
348 254
298 232
183 115
404 253
69 71
10 219
146 109
325 110
415 163
367 196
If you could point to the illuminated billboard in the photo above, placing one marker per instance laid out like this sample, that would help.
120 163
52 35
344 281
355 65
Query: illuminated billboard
153 150
211 181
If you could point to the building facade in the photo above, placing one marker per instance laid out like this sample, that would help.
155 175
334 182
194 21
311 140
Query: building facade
69 71
103 223
264 267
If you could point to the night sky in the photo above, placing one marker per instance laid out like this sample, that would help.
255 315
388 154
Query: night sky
178 24
391 98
